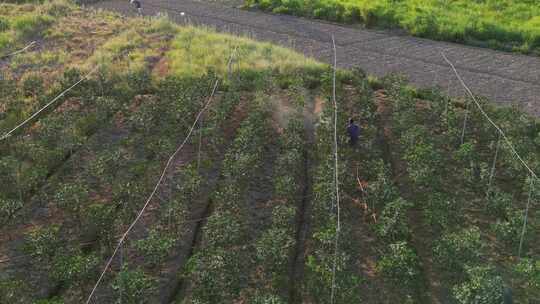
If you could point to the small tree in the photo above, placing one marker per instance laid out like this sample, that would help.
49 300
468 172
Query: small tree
43 244
13 291
71 198
529 273
133 286
454 251
509 230
483 286
400 265
156 247
393 221
73 269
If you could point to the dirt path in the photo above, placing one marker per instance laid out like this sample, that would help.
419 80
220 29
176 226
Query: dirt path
303 215
504 77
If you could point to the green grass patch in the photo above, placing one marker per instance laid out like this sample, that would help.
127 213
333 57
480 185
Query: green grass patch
501 24
194 51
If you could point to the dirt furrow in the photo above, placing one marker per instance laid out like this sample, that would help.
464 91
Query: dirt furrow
175 285
303 214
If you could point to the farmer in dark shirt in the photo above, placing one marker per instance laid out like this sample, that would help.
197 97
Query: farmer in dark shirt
354 132
138 5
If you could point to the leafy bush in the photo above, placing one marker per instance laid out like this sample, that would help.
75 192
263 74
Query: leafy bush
71 198
400 265
4 24
498 202
393 220
72 269
529 273
98 220
13 291
442 210
32 25
32 85
43 243
133 286
319 269
267 299
277 243
54 300
156 247
454 251
8 208
422 157
483 286
509 230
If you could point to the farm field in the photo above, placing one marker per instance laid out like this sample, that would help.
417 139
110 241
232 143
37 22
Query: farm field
501 24
431 204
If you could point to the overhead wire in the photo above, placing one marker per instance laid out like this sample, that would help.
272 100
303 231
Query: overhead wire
171 158
50 103
531 173
524 228
31 44
501 132
336 175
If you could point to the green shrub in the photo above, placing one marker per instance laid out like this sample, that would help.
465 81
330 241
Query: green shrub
32 25
8 208
98 221
156 247
43 243
509 230
483 286
54 300
4 24
13 291
442 211
422 157
393 220
73 269
400 265
72 198
267 299
32 85
133 286
529 273
498 202
454 251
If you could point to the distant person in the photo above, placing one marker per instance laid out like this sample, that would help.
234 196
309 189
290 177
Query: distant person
354 132
137 5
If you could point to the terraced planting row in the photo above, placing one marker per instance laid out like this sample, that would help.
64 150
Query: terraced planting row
431 201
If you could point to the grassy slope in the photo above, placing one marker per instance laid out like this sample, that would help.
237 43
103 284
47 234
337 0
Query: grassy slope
74 182
501 24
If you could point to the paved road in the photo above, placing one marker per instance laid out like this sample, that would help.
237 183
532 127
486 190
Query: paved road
503 77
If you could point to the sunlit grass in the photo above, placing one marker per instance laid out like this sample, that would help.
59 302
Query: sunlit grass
506 24
194 51
20 23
